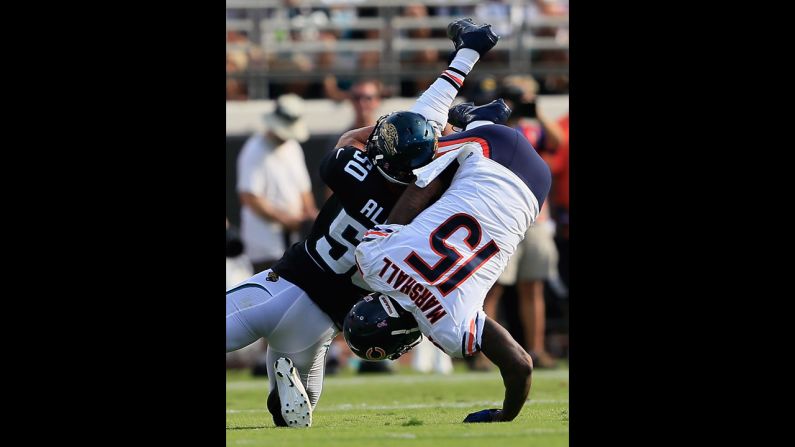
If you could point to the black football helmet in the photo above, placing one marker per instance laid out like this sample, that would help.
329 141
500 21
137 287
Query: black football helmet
377 328
400 143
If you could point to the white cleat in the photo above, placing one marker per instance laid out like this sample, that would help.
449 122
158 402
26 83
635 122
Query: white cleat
296 410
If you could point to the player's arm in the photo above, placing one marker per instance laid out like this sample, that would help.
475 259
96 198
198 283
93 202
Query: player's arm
308 205
355 137
516 368
265 209
415 199
552 132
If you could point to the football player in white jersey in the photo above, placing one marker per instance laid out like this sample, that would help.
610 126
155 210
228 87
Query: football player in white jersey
432 266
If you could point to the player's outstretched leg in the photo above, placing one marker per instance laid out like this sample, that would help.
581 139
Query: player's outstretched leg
295 407
471 42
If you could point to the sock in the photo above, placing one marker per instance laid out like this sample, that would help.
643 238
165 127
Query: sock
434 103
464 60
478 123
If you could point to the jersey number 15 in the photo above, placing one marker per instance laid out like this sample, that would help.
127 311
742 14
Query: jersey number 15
450 256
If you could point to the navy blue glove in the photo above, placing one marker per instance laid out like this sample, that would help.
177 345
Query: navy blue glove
463 114
483 415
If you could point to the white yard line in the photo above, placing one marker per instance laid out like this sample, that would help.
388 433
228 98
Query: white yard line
331 382
363 406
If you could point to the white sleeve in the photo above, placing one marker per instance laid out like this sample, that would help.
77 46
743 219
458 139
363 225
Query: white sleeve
249 169
426 174
435 102
459 340
471 331
369 257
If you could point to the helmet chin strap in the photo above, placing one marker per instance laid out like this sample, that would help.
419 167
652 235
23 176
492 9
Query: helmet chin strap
405 348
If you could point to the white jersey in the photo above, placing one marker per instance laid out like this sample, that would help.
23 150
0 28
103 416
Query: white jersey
441 266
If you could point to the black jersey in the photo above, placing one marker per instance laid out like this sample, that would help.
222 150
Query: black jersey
323 264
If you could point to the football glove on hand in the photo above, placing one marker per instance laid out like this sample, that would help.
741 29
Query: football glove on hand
491 415
381 231
461 115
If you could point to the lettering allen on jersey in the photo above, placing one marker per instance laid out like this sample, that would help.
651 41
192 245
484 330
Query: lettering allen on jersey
371 210
423 298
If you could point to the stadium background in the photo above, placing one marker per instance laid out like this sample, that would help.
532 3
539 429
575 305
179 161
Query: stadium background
300 46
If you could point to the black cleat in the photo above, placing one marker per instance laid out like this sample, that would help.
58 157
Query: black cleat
275 408
454 29
295 407
466 34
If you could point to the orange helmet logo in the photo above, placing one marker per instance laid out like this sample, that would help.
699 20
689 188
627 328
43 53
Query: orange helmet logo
379 351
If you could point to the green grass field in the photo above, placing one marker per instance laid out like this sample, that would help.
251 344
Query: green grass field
405 409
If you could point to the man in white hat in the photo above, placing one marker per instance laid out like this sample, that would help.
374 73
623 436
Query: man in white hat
273 184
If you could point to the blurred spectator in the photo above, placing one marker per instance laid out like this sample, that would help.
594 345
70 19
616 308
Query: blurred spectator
484 91
242 56
332 90
452 11
236 52
273 184
236 89
236 64
343 15
425 357
322 24
294 22
238 269
520 93
534 262
536 258
552 83
498 14
559 165
234 245
365 97
420 11
421 58
370 60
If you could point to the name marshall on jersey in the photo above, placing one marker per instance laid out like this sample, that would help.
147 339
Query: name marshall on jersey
423 298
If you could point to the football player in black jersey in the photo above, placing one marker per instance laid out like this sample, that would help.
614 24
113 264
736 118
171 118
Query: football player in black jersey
300 303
